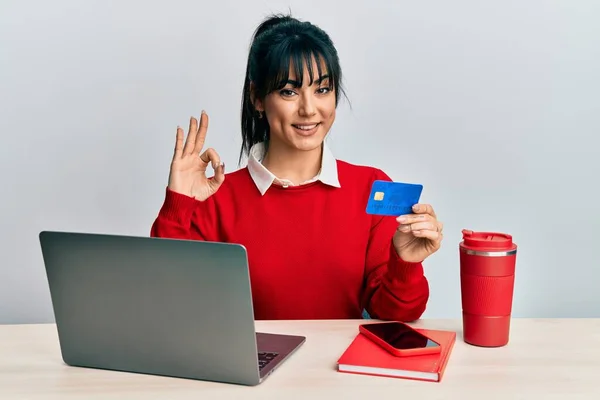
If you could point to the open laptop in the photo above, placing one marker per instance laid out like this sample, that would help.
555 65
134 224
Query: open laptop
168 307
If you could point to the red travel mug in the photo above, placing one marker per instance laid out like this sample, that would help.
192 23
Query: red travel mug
487 276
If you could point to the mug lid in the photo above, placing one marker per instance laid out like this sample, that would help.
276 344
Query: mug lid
495 240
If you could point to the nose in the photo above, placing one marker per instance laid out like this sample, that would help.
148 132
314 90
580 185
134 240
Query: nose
307 106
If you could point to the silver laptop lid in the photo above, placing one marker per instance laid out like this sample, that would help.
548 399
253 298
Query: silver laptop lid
159 306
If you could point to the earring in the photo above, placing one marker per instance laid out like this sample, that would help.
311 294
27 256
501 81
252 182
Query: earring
260 115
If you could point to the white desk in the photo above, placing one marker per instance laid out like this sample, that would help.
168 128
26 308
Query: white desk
546 359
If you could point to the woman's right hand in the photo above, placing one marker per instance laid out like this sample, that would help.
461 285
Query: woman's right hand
189 165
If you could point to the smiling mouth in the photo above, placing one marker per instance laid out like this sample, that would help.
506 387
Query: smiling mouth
306 127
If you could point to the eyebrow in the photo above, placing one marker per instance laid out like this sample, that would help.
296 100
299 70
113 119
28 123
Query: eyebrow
317 81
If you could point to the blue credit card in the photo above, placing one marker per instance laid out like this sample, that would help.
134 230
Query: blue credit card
393 198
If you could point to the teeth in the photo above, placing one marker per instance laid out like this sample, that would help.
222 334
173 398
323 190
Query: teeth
306 127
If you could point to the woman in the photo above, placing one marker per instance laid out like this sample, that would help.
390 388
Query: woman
313 251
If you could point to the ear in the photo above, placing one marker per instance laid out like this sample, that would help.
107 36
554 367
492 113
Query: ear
258 105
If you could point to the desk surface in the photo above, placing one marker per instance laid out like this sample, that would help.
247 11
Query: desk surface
546 358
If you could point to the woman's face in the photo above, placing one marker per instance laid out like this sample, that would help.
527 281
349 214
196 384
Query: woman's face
300 117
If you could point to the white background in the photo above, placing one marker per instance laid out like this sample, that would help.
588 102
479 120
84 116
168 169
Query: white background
493 106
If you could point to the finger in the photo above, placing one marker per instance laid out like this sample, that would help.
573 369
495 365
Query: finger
431 235
210 156
414 218
201 132
419 226
219 174
191 137
178 143
423 209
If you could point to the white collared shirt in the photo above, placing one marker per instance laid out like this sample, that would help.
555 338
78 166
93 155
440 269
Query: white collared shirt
263 178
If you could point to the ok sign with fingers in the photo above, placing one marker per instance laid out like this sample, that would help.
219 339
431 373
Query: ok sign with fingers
188 168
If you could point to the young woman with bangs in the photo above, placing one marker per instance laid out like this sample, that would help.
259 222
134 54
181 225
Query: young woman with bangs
313 251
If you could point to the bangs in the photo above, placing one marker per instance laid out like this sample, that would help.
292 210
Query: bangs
297 57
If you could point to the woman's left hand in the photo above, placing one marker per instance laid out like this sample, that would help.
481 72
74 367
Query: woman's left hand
418 235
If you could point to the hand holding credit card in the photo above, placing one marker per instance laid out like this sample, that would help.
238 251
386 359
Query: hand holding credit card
393 198
419 233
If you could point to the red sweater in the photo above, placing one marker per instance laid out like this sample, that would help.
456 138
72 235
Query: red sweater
313 251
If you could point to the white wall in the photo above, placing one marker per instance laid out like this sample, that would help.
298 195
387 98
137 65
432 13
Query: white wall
493 107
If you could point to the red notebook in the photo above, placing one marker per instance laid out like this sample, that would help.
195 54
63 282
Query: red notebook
365 357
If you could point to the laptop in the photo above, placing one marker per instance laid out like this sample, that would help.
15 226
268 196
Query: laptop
169 307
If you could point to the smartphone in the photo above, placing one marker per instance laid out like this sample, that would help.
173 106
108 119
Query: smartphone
399 339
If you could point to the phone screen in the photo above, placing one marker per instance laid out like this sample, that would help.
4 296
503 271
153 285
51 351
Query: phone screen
400 336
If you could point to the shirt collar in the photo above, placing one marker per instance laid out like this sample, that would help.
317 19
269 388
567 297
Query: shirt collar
263 178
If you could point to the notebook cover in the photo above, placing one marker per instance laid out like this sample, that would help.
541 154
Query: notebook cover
365 357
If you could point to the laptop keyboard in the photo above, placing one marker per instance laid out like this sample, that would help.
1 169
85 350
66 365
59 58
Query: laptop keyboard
265 358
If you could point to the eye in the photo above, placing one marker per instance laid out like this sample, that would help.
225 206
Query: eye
287 92
323 90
